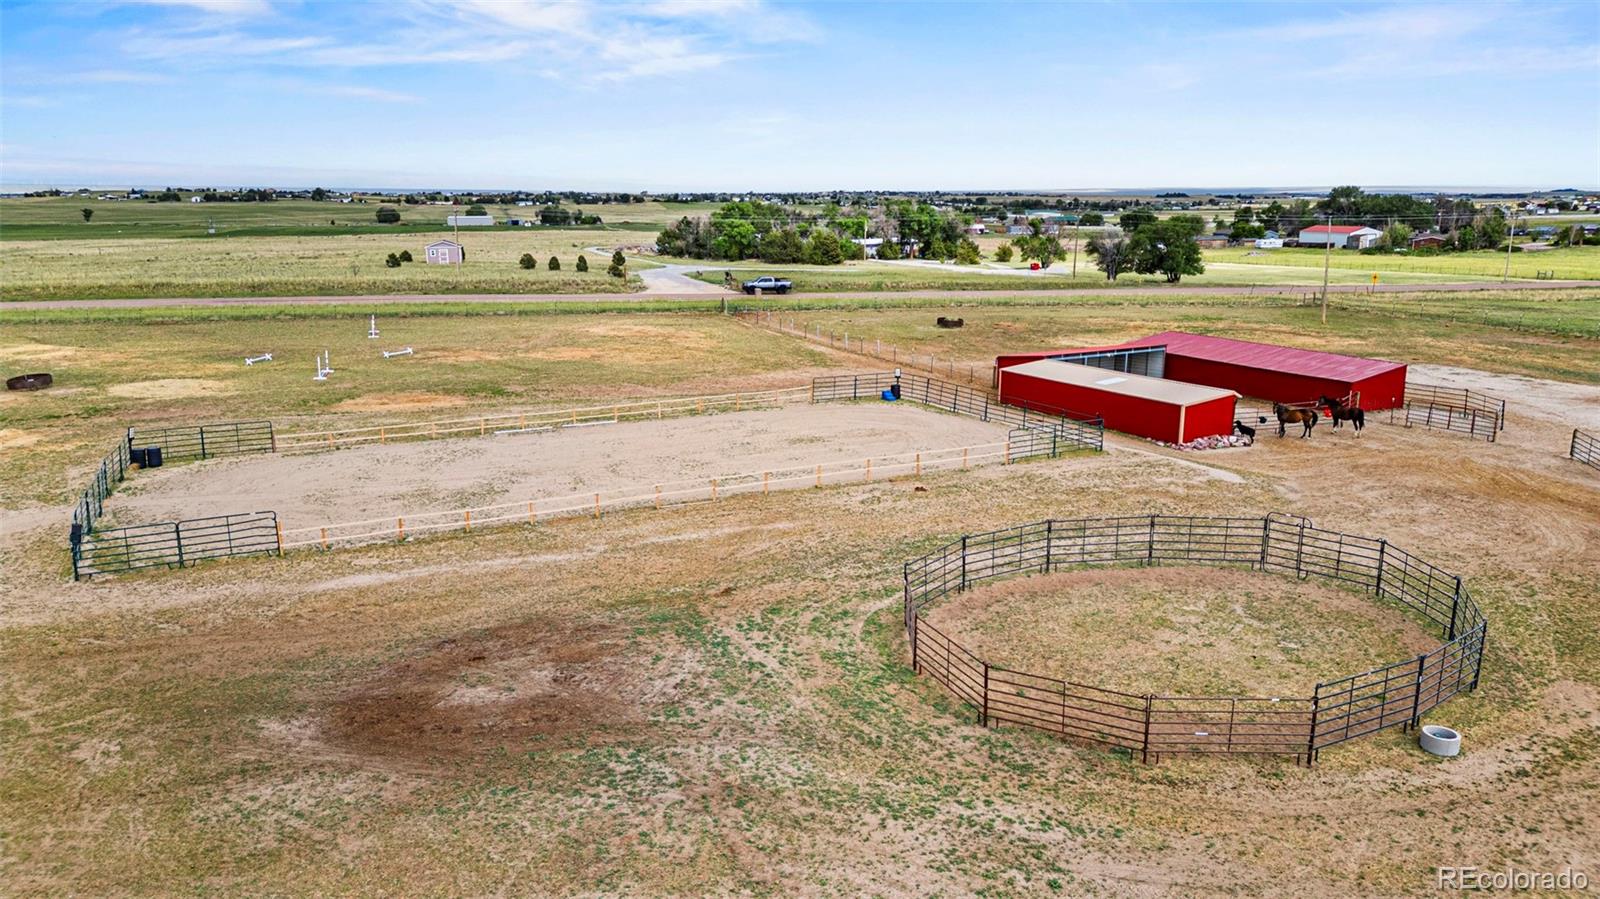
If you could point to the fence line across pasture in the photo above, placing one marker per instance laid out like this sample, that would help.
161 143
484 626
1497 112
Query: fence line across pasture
484 425
658 495
976 373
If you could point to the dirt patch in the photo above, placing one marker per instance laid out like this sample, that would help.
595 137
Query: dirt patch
1180 630
510 688
170 388
12 438
390 402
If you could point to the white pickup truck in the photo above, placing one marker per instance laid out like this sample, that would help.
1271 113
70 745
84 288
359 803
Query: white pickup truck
767 284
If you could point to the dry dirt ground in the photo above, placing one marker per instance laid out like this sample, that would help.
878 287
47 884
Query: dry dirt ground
714 700
1183 631
373 481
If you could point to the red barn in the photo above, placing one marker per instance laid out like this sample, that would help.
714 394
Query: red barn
1278 373
1134 404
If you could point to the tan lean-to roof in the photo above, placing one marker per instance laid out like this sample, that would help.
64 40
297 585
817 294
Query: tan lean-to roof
1176 392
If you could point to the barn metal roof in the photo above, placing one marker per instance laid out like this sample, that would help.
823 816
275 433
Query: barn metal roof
1177 393
1265 356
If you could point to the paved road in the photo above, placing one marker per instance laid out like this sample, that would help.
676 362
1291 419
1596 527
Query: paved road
1153 290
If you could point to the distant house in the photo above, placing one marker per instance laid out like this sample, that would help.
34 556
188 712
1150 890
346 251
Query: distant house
1428 239
869 245
1212 241
445 252
1269 243
469 221
976 228
197 199
1347 237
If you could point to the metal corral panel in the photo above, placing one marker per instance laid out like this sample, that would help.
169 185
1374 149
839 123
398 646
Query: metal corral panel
1156 408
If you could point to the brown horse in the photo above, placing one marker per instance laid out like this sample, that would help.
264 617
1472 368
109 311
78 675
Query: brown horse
1307 418
1339 412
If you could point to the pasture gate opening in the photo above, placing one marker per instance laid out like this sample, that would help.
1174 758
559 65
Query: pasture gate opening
1457 409
1397 694
1059 427
1585 448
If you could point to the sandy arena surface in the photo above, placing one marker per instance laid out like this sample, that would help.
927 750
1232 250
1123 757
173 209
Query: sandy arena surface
374 481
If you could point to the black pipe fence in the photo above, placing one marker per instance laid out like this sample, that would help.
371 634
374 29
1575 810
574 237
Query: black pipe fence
184 442
1068 430
175 544
97 550
1585 448
1452 409
1152 724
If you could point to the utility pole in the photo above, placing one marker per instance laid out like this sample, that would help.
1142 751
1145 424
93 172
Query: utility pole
1327 257
461 254
1511 230
1076 222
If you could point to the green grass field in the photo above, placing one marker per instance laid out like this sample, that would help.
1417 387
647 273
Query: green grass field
293 266
1568 263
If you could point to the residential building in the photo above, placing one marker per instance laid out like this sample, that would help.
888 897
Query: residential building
1346 237
445 252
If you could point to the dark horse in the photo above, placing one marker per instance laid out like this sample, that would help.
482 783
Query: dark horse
1338 411
1306 417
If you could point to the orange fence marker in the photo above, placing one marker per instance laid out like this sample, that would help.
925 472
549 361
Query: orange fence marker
764 476
482 427
469 521
383 436
614 414
522 422
400 528
324 538
532 518
597 505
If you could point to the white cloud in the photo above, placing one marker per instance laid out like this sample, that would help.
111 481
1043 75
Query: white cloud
361 92
240 8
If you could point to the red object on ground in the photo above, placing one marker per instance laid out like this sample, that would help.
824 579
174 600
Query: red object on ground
1266 371
1156 408
1033 266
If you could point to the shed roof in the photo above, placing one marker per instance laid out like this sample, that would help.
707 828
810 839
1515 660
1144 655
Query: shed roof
444 243
1265 356
1337 229
1177 393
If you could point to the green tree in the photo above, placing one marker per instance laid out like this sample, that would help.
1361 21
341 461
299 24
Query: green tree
1134 219
1003 252
528 262
736 239
1111 255
392 261
1248 230
1492 230
1045 248
476 209
1167 248
1396 237
387 215
889 249
1196 225
967 252
1466 238
619 265
319 194
583 264
783 247
405 255
87 213
823 248
1091 220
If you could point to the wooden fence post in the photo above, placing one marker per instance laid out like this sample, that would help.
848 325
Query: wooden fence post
597 505
919 464
819 475
279 526
869 470
713 489
324 538
468 526
765 476
532 518
658 497
400 528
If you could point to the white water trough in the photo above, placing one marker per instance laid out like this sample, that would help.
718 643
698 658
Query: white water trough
252 360
390 354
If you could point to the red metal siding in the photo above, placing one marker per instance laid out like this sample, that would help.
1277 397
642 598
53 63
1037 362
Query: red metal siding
1380 391
1128 414
1385 391
1208 419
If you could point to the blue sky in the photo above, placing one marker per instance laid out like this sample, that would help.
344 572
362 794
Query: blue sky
746 94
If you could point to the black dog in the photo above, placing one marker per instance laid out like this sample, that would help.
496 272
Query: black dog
1244 430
